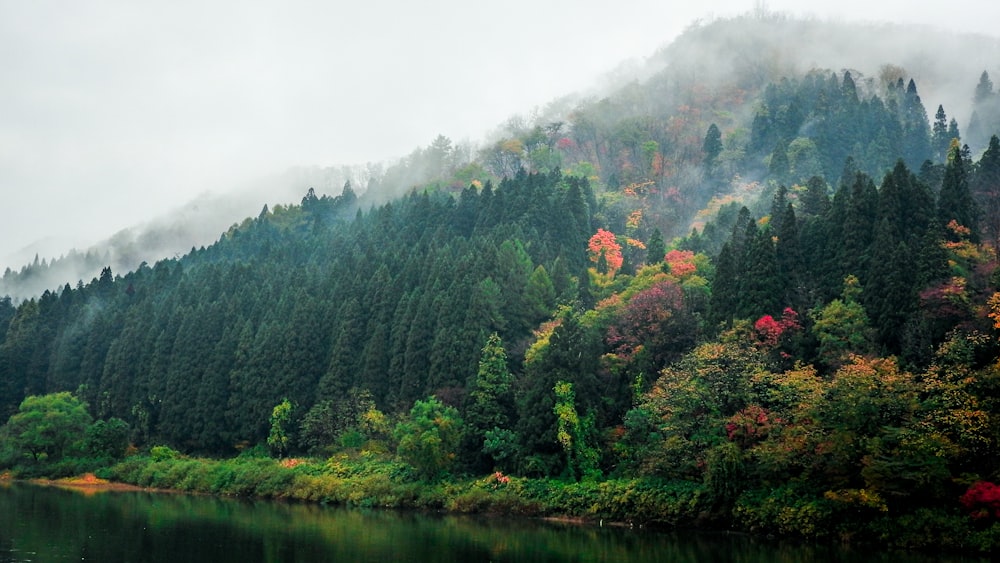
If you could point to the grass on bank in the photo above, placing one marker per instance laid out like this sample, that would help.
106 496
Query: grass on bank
375 480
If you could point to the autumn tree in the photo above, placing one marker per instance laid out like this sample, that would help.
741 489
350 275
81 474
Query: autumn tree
604 249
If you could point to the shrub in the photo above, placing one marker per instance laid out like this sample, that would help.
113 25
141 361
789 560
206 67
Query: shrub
162 453
982 500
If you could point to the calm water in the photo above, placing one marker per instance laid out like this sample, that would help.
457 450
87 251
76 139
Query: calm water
48 524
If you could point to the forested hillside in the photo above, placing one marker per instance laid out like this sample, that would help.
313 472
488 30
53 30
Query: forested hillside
781 290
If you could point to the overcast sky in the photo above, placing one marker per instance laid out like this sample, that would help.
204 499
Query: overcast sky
113 112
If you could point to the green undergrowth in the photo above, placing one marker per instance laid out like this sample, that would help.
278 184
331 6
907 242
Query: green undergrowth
369 480
372 480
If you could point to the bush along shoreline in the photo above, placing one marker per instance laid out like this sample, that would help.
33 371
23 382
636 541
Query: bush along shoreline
373 480
420 473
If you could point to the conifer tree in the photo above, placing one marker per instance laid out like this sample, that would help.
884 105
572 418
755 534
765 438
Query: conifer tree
725 286
759 284
940 140
986 187
788 259
655 248
779 166
916 130
491 397
859 227
955 202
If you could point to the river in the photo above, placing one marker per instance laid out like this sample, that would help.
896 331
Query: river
48 524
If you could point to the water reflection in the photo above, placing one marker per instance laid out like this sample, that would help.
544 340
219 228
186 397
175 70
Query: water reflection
49 524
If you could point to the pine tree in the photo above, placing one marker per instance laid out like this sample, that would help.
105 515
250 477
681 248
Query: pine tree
986 187
779 166
859 228
759 283
788 257
941 141
655 248
725 286
916 130
491 397
888 295
984 89
955 202
712 148
816 200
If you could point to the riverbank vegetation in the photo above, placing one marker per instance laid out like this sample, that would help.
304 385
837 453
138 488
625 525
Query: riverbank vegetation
540 332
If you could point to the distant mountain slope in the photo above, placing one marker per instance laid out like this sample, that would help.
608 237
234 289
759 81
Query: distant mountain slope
646 127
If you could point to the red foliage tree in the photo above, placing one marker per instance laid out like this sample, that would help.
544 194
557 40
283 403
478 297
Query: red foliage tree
681 262
750 425
982 500
770 331
654 320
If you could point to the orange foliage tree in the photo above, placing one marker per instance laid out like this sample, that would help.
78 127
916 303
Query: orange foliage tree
603 243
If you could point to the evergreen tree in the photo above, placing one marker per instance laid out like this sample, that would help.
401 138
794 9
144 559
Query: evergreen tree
759 283
655 248
491 399
842 326
816 200
788 259
984 89
725 286
955 202
916 130
778 167
859 228
986 187
712 148
940 139
889 295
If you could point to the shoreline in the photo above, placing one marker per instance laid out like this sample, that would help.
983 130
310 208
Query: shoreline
90 483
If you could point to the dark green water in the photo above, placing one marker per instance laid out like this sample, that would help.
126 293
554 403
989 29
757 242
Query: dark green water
47 524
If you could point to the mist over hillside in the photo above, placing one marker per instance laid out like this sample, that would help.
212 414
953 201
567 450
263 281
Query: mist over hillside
767 47
739 55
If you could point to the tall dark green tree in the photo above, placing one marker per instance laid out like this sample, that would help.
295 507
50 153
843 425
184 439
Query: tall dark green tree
655 248
712 147
789 262
955 201
916 129
725 286
940 139
986 188
760 286
490 401
859 227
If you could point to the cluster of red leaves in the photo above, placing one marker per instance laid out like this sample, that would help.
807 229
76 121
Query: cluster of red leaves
750 425
948 299
565 143
982 500
603 242
644 318
681 262
498 479
770 331
961 230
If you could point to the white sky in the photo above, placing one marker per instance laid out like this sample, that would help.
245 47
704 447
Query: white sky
113 112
